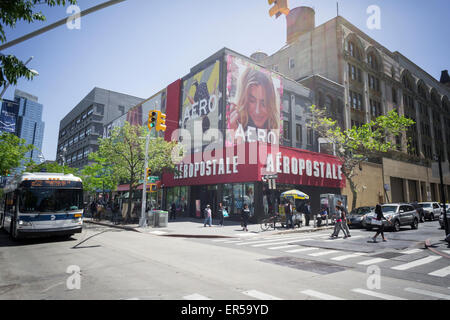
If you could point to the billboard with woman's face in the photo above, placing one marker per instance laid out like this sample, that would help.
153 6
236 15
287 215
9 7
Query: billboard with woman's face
254 107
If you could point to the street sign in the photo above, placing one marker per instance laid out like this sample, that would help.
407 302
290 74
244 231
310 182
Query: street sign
153 179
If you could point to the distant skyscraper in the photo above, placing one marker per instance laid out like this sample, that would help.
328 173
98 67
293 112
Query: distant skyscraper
9 113
29 125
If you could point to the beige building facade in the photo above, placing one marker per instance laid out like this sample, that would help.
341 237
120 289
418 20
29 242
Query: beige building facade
375 81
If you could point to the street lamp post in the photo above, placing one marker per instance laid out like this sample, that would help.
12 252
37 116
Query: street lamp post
143 220
7 85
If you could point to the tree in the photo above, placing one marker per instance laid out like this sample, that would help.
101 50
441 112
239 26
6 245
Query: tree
99 175
53 167
124 153
12 152
12 11
359 144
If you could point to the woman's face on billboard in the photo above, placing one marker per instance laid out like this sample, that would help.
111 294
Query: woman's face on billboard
257 105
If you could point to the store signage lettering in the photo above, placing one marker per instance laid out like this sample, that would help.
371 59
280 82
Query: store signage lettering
207 168
310 168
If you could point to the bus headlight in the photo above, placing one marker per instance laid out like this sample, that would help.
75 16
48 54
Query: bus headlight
25 223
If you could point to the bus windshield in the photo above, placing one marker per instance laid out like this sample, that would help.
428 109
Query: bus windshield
50 200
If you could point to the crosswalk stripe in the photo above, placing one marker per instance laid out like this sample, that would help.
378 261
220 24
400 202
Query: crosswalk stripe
322 253
412 251
416 263
302 250
429 293
260 295
220 240
377 294
348 256
320 295
275 243
233 241
446 251
441 272
195 296
371 261
282 247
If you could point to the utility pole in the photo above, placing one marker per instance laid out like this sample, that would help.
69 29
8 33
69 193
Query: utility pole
143 220
57 24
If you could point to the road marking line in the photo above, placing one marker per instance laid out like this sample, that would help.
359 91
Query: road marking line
320 295
348 256
260 295
282 247
377 294
233 241
411 251
272 240
220 240
371 261
322 253
275 243
428 293
416 263
446 251
441 272
158 232
195 296
302 250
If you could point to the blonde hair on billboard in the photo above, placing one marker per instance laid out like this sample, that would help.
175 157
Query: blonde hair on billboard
252 77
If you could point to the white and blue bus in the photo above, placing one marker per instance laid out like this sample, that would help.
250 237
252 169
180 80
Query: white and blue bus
42 204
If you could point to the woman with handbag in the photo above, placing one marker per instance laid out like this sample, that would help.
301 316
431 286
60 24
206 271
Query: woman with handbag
221 213
379 222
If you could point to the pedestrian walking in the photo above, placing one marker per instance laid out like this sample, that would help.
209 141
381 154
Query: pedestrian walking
307 213
288 211
173 211
208 216
344 217
94 209
220 212
245 216
338 224
379 222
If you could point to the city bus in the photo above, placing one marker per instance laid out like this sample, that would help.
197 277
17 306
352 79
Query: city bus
42 204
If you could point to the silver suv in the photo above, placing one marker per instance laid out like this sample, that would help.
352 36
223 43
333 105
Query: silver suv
432 210
400 214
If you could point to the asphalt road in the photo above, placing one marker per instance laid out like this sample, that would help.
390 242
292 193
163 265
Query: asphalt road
116 264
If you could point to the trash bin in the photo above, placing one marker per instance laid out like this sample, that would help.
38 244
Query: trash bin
163 219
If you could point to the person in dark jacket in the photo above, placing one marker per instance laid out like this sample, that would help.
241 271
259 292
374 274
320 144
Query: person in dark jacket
173 211
220 214
380 217
245 216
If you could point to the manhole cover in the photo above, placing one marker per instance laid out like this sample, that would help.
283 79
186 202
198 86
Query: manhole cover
388 255
305 265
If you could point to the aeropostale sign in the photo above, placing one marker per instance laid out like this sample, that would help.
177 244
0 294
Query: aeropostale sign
293 166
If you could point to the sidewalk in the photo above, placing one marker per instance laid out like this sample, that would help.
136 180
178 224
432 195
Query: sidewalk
193 228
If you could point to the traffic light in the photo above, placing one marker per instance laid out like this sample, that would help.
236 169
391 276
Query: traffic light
161 122
152 117
280 7
148 172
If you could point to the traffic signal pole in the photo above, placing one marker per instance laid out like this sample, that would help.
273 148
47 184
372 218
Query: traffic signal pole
143 220
446 226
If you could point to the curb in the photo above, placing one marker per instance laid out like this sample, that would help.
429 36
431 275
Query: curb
112 226
428 246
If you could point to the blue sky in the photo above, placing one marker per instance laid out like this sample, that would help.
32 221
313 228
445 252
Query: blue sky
139 47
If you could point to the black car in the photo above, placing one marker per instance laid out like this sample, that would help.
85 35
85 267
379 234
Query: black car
357 217
419 210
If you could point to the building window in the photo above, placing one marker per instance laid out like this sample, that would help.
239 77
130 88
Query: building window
286 130
394 95
75 139
91 111
356 101
78 120
372 60
375 108
310 137
291 63
88 131
100 109
374 83
298 133
354 50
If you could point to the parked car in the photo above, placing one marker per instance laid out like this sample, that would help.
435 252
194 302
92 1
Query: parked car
400 214
357 217
441 217
419 210
432 210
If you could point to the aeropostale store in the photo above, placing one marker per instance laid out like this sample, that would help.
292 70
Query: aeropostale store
233 176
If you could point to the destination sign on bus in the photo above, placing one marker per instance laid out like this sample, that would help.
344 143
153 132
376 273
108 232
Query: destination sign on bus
51 184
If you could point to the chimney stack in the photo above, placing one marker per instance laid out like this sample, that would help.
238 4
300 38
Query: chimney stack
300 20
445 78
